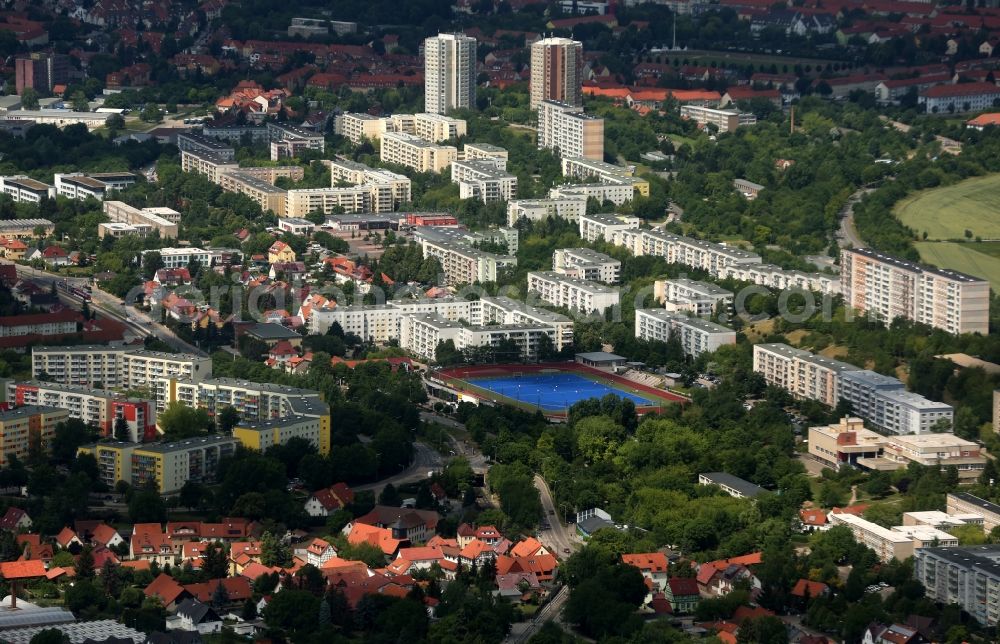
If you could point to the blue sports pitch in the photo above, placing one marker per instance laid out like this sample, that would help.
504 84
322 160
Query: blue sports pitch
554 391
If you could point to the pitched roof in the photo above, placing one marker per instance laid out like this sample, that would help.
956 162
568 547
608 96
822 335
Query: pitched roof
526 547
680 586
653 561
238 589
103 534
166 588
807 588
812 517
13 514
22 569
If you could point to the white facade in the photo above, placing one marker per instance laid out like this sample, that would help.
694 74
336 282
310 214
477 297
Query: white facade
567 130
695 335
587 264
23 189
449 73
182 257
413 152
483 179
571 293
888 288
606 226
115 366
568 208
700 298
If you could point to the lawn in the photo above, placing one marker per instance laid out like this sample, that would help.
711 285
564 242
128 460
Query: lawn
962 257
946 213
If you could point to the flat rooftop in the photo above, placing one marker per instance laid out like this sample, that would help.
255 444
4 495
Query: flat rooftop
915 267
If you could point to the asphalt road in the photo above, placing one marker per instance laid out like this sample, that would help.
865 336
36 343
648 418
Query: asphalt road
425 460
558 537
847 234
477 460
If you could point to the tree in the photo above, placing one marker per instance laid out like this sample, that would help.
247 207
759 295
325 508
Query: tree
192 494
294 611
273 552
85 564
220 596
151 113
80 102
227 419
69 435
146 505
29 98
178 421
215 563
390 496
763 630
50 636
122 432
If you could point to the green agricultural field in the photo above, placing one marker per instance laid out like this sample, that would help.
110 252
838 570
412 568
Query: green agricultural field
964 258
946 213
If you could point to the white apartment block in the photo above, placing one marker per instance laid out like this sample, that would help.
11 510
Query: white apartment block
182 257
587 264
296 138
968 576
900 542
211 165
422 333
699 298
723 120
357 127
678 249
345 170
449 73
888 288
463 264
606 226
300 202
569 132
615 193
695 335
881 400
884 402
191 142
253 400
413 152
571 293
77 185
936 450
473 151
569 208
164 220
115 366
380 323
460 235
114 230
964 503
803 374
776 277
437 127
267 195
23 189
483 179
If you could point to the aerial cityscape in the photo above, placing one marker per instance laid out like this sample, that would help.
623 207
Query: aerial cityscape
500 321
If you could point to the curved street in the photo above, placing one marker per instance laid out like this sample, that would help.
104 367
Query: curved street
557 537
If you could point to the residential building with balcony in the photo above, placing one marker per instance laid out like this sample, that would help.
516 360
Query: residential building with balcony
887 288
587 264
571 293
696 336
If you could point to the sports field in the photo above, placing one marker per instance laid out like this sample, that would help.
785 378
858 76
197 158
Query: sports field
551 388
553 391
946 213
964 258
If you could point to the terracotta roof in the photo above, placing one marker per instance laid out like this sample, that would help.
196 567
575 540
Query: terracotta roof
22 569
652 561
985 119
807 588
961 89
812 517
526 547
166 588
238 589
